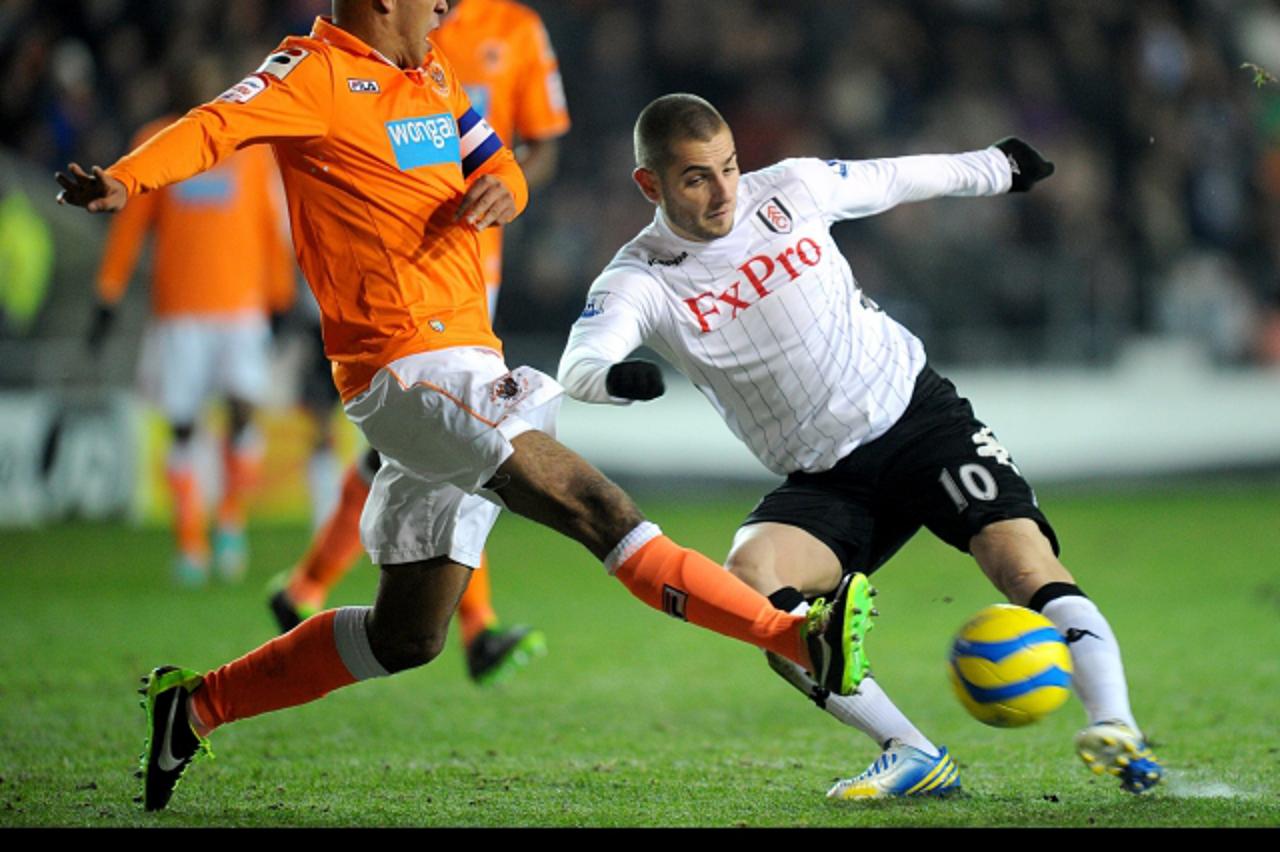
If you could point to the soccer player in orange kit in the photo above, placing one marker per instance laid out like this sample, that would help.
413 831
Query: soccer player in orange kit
504 60
221 266
390 174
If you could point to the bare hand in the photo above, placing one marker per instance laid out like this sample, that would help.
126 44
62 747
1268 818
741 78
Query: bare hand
97 192
487 202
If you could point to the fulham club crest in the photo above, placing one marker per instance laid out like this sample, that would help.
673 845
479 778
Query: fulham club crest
775 215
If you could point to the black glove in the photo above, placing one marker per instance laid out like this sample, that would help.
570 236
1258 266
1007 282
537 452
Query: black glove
1027 164
638 380
104 317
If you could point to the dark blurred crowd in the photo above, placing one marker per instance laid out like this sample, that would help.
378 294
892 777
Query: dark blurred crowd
1164 216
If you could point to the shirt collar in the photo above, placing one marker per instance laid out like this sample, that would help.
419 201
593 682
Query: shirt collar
327 31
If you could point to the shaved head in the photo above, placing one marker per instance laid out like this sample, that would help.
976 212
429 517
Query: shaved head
669 120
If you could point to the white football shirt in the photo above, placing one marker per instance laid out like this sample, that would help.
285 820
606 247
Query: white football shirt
768 321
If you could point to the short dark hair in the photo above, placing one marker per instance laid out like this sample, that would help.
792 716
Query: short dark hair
673 118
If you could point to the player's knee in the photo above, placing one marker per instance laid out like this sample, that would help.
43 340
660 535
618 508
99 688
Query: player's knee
605 507
406 650
408 653
751 571
1018 559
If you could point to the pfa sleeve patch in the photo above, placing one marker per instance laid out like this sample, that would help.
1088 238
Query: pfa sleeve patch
281 63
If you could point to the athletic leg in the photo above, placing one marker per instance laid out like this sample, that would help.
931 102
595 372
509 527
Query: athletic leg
241 467
333 551
550 484
790 565
405 628
1020 562
191 567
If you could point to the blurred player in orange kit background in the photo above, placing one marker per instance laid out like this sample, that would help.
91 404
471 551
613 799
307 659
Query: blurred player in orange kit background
504 59
221 267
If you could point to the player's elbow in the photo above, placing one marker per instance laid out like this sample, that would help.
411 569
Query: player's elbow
571 377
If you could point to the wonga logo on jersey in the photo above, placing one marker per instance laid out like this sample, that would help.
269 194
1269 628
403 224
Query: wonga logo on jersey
428 141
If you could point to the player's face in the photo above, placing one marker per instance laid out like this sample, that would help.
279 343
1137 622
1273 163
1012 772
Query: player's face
699 190
413 21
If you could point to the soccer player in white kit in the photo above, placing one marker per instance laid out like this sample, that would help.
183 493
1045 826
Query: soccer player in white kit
739 285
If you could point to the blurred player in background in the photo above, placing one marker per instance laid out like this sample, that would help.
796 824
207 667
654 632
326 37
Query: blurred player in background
390 176
221 267
504 60
740 285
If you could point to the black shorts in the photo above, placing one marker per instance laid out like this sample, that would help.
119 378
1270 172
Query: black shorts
938 467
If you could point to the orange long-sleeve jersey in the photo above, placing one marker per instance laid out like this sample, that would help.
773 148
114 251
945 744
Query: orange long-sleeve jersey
219 242
375 160
504 59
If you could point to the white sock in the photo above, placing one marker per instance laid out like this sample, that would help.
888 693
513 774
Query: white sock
1095 655
869 709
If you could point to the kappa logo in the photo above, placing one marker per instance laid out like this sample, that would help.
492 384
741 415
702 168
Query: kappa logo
1075 634
776 216
991 448
669 261
675 602
363 87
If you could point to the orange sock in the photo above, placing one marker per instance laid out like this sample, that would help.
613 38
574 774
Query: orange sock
325 652
475 610
188 511
334 549
242 467
689 586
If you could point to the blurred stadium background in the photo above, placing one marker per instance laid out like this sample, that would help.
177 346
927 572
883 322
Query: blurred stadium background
1123 320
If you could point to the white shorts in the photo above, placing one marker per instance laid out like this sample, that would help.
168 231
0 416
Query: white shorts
187 360
443 423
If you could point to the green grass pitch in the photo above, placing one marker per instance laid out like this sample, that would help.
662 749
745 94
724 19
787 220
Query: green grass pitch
634 719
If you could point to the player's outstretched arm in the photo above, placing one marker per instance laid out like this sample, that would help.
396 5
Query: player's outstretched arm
96 192
616 321
1026 163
